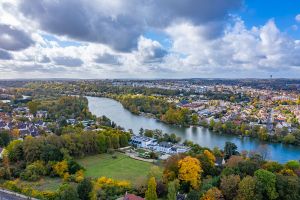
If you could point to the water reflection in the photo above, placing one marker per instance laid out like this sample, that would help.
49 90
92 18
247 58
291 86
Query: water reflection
204 137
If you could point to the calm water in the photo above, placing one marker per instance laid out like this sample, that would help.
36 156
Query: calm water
204 137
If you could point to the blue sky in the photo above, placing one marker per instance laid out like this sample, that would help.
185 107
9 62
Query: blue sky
258 12
149 39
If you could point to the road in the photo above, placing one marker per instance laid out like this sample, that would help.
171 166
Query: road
8 196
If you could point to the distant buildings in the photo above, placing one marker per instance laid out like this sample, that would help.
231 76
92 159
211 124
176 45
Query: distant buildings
152 144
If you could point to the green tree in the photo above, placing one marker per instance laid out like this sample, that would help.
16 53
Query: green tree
266 182
195 119
211 124
263 134
33 148
101 143
172 189
293 164
246 189
33 106
193 195
151 191
51 153
115 141
84 189
230 149
272 166
289 139
15 150
288 187
5 137
123 140
67 192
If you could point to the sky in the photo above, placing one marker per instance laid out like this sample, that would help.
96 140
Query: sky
143 39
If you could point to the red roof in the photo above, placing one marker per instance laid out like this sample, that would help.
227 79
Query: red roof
132 197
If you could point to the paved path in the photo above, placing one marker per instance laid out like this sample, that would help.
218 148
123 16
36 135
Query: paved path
6 195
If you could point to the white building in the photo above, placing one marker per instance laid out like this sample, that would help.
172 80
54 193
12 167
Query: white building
141 141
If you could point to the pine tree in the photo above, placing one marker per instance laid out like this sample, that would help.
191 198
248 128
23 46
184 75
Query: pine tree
151 191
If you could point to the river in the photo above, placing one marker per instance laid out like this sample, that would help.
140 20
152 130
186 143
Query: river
116 112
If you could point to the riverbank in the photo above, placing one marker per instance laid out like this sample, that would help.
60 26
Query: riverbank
100 106
140 105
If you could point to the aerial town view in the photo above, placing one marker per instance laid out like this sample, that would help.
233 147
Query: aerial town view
149 100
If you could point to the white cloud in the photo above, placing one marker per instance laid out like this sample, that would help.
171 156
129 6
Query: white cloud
235 50
297 18
258 48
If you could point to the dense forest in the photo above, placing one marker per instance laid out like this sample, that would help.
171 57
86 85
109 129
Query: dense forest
90 88
158 106
67 107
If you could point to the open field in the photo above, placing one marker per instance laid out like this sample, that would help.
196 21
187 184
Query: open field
44 183
120 168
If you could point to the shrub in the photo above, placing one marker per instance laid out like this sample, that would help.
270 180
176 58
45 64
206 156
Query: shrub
33 171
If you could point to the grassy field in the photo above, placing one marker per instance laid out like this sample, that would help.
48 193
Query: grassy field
120 168
45 183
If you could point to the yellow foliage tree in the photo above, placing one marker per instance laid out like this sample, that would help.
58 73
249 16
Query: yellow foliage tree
60 168
15 133
66 176
79 176
213 194
103 182
190 171
287 172
210 157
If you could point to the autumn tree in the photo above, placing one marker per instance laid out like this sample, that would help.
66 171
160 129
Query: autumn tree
210 157
6 165
207 160
233 161
60 168
229 186
15 133
213 194
171 169
272 166
151 191
190 171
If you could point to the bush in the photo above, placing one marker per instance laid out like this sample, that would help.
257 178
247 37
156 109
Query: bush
74 166
84 189
293 164
34 171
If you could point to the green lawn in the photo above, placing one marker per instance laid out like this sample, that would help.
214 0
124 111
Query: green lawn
120 168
